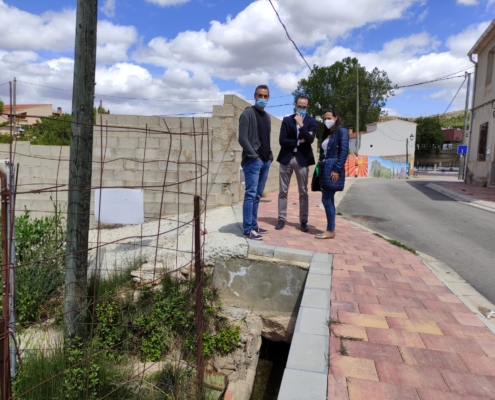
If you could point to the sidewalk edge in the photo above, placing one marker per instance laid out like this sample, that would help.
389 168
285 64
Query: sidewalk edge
462 198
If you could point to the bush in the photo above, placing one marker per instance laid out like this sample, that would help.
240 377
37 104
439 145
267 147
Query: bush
40 249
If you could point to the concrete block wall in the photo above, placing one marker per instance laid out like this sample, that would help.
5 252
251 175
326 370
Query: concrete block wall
152 153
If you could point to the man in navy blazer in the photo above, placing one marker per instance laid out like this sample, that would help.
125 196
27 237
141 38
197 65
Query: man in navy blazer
297 133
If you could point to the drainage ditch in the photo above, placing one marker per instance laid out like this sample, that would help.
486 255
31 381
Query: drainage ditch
269 293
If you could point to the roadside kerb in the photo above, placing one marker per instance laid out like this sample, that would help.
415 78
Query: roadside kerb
470 201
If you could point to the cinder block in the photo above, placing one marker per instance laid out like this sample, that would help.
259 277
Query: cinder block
223 111
128 143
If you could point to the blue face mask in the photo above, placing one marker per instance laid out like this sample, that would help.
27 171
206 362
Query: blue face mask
302 113
261 103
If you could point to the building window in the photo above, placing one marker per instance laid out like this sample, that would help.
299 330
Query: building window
489 66
482 142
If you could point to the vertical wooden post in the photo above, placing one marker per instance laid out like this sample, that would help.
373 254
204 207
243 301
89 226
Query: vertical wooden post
4 321
199 296
81 157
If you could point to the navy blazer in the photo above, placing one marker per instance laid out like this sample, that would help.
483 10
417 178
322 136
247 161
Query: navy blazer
288 141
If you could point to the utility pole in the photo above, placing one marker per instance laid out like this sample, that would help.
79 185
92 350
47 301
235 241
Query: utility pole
80 163
463 160
358 138
14 107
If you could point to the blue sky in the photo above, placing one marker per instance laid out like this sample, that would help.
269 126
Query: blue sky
182 56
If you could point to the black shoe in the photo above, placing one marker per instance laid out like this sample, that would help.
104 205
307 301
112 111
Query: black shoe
304 227
280 224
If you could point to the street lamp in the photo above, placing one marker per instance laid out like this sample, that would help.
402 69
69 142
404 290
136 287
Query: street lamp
411 138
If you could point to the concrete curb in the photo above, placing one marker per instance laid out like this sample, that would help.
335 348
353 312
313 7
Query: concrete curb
470 201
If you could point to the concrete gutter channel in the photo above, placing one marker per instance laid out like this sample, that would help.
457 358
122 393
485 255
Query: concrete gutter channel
306 372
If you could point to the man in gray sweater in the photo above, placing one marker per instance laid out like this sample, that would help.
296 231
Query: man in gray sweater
254 138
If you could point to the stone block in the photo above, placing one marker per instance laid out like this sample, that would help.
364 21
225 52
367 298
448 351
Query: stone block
128 143
257 248
223 111
293 254
316 298
308 353
320 268
224 200
148 143
314 281
313 321
30 162
125 120
322 257
123 175
303 385
40 151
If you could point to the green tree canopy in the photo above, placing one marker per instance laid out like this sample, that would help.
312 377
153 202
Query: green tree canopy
1 106
49 131
335 86
429 135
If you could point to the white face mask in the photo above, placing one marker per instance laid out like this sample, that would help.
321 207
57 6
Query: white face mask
329 123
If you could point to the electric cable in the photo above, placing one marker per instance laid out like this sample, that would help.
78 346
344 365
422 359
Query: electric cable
287 33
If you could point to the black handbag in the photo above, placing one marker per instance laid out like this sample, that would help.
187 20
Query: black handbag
315 181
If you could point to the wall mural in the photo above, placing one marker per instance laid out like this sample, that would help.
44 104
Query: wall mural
374 167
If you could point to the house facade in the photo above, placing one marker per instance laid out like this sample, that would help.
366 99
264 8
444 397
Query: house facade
27 114
392 140
481 155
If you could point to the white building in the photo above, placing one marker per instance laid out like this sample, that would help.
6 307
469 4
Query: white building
388 139
481 156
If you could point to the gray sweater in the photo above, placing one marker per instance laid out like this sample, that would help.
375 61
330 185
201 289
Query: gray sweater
248 135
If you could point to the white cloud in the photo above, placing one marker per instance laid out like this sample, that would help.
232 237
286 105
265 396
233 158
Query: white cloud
437 95
461 43
422 16
467 2
108 8
254 43
55 31
166 3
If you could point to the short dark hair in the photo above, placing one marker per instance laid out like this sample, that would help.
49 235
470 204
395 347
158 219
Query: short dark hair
261 87
301 96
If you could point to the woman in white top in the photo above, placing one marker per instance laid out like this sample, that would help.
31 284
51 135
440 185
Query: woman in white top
334 149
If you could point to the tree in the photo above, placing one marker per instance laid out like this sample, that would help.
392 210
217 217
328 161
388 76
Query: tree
53 131
429 135
1 106
335 86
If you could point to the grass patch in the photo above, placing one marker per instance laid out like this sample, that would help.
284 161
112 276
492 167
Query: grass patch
342 349
396 243
339 213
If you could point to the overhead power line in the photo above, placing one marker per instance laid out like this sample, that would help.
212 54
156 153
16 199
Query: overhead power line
285 29
424 83
458 90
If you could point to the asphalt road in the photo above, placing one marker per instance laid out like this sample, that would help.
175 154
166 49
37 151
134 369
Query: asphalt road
461 236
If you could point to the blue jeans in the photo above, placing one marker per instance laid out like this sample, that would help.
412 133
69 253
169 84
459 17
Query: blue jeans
255 174
327 198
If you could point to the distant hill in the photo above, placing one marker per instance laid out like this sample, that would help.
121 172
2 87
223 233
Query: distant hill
453 119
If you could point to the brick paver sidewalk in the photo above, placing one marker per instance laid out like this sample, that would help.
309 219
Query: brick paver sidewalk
476 192
397 331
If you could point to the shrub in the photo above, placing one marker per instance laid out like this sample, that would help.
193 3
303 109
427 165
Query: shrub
40 249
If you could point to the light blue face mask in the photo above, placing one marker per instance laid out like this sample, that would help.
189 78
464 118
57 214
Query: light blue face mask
302 113
261 103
